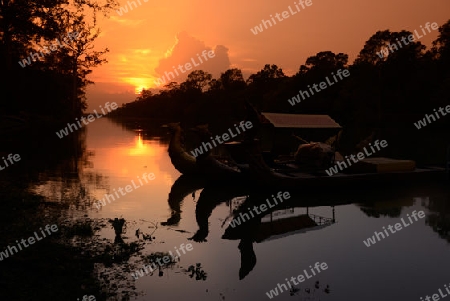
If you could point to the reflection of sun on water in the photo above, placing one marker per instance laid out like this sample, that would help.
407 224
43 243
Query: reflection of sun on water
141 149
137 156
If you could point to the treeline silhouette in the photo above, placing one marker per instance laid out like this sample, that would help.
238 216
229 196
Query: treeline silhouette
383 96
41 80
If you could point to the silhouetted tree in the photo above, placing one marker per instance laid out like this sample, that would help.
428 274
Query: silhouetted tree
232 80
262 82
268 75
197 80
80 56
26 29
441 49
324 62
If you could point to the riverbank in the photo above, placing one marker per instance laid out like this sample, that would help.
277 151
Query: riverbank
49 270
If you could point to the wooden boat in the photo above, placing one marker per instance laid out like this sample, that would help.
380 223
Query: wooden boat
204 164
292 179
207 164
257 173
181 160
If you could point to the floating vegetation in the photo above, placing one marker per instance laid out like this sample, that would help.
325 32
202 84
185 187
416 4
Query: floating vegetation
148 237
154 257
117 225
145 236
310 293
80 228
119 253
293 291
199 273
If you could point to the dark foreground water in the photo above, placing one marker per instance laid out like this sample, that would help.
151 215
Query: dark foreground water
247 263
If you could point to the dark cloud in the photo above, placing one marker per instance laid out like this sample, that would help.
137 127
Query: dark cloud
188 49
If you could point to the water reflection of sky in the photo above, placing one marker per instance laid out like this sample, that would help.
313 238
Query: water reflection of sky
405 266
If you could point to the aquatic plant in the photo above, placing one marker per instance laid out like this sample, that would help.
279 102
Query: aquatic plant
199 273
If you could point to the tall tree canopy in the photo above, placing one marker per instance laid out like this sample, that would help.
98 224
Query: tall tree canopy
54 76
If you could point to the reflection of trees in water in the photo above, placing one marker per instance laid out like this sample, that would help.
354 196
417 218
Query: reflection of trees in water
54 168
387 212
439 216
388 208
63 178
151 128
440 223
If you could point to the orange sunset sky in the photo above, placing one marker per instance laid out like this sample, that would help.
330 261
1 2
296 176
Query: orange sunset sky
147 41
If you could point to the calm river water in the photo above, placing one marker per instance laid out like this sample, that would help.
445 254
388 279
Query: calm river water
407 265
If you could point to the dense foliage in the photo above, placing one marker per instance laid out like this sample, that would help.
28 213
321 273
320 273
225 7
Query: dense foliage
53 82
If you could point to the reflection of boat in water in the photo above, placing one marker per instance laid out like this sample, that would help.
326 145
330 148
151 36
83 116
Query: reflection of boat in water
210 198
281 223
274 227
293 217
182 187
